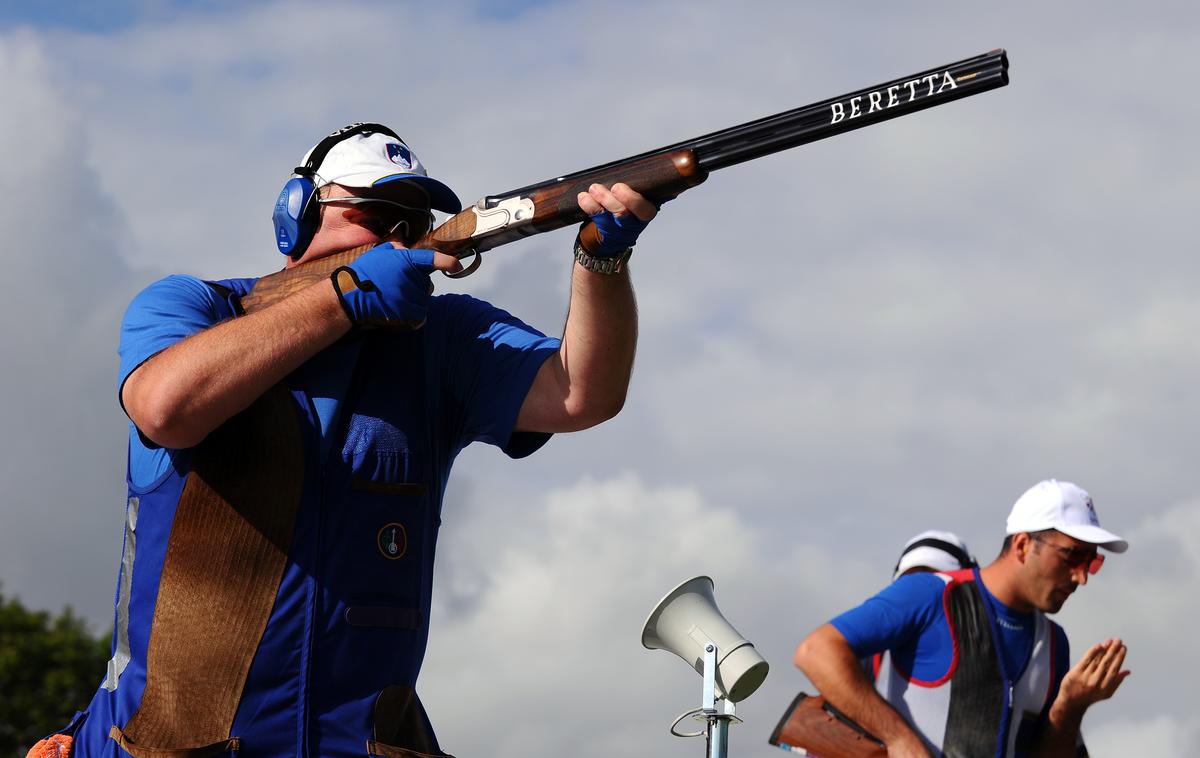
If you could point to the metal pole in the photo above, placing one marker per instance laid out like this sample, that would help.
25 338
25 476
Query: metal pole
718 720
718 737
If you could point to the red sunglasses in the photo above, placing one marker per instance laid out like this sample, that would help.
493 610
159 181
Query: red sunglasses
1074 557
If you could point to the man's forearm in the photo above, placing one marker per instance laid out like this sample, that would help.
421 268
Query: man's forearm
1095 677
585 382
1060 733
180 395
828 661
599 341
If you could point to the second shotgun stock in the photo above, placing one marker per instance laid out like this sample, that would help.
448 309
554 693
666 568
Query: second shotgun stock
666 172
811 726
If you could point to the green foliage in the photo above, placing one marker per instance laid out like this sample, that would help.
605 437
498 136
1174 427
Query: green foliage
49 668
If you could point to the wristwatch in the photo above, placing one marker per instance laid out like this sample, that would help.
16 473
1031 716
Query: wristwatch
596 264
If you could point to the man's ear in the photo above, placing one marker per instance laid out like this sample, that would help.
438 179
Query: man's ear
1022 544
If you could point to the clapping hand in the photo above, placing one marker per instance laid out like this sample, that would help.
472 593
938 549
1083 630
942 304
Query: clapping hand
1096 676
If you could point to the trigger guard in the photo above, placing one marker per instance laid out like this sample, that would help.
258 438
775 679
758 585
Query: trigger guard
470 269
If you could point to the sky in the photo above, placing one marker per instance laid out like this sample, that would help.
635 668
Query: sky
898 329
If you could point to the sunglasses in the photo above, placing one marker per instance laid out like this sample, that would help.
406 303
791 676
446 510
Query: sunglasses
393 216
1074 557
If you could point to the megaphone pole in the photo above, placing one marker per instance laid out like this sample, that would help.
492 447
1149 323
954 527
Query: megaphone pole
718 721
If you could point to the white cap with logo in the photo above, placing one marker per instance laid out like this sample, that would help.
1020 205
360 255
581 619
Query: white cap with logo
369 160
1064 507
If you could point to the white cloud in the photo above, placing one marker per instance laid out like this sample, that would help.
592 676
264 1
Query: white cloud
540 607
1154 735
60 455
894 330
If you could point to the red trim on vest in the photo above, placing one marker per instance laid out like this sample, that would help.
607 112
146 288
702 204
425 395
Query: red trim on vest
876 664
956 578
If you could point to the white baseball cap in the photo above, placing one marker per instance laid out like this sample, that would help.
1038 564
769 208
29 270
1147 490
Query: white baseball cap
374 158
940 551
1064 507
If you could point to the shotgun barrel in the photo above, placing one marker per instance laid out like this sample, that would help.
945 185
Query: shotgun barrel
828 118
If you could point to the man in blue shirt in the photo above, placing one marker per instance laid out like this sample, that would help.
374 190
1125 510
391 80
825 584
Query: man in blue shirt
971 666
287 465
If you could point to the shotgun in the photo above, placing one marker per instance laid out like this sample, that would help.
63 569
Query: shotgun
663 173
812 726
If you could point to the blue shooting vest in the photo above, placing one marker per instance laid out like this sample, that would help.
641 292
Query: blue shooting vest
275 602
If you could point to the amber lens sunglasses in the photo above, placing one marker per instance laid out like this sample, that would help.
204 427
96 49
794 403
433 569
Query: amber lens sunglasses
394 214
1074 557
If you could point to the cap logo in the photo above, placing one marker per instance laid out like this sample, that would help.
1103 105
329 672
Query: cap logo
1092 517
392 541
398 153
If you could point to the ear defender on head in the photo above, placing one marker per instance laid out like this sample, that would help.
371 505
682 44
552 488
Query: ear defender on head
294 221
296 216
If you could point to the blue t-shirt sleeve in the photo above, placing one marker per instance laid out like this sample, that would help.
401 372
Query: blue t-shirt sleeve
492 359
894 617
164 313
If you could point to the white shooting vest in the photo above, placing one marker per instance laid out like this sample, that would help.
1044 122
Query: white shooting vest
986 706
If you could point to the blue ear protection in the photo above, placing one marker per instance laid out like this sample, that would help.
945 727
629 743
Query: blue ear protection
295 216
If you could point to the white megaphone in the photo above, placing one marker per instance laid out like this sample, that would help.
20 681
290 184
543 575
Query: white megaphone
687 620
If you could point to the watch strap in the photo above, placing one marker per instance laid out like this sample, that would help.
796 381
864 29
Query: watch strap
607 265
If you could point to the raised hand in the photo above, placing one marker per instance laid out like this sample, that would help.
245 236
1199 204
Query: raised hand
619 213
1096 676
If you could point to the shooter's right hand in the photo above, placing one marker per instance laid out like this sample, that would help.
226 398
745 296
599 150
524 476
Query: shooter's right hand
389 286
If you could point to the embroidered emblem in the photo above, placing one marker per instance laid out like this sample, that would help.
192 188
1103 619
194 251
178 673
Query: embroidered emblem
1095 520
392 541
399 154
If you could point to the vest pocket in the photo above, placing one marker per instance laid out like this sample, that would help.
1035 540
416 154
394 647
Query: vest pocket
382 541
391 751
402 489
227 747
402 728
383 616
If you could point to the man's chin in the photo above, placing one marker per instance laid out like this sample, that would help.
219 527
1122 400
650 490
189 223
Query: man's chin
1056 601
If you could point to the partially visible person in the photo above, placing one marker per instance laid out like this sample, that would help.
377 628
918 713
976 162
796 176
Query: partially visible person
933 551
928 552
976 667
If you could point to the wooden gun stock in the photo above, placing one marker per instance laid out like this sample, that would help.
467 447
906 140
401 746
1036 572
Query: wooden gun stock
664 173
811 726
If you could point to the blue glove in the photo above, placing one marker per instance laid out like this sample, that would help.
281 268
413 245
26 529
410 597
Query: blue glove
617 233
386 286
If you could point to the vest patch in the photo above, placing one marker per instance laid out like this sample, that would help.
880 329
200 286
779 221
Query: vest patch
392 541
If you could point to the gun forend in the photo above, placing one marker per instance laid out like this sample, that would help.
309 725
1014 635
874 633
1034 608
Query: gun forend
498 220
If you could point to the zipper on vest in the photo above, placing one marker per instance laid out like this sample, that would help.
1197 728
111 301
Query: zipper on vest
313 604
317 601
314 600
338 429
1006 719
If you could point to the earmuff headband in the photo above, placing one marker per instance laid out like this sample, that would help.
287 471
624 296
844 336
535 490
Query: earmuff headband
317 156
